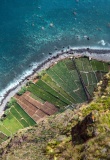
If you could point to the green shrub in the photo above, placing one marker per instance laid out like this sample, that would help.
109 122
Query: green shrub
11 102
22 91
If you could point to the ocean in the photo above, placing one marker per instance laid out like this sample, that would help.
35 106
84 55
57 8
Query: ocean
31 29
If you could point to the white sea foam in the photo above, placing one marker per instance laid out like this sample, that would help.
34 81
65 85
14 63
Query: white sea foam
22 77
102 42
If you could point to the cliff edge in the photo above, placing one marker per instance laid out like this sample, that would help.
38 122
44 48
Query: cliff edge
79 134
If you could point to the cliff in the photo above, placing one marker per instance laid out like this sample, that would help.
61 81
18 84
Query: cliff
82 133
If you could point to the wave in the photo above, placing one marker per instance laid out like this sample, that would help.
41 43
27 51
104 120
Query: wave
17 83
102 42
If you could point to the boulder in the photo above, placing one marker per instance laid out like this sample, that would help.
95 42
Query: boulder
84 130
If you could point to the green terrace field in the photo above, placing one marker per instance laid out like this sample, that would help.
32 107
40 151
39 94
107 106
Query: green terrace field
15 118
60 85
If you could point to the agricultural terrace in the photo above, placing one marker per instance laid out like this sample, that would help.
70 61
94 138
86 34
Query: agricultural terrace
57 88
15 118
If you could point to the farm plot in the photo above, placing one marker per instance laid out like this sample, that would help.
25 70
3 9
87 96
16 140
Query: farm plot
85 78
65 86
99 66
25 116
37 98
11 123
67 77
79 64
69 64
60 82
92 78
50 90
86 64
19 117
59 86
48 80
3 137
81 94
45 95
91 89
4 130
15 119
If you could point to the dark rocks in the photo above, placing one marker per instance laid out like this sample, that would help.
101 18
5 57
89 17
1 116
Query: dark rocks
88 38
50 53
84 130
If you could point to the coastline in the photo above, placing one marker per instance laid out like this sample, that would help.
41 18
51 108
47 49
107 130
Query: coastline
99 54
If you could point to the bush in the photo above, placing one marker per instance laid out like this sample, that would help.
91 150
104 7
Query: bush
11 102
22 91
7 111
28 83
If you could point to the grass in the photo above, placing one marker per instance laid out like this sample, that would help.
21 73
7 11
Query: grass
48 80
69 86
18 117
97 65
4 129
69 64
92 78
24 123
3 136
26 117
45 95
1 140
98 75
15 113
106 67
86 64
37 98
91 88
75 75
81 94
85 78
61 83
79 64
67 76
79 84
22 91
11 123
50 90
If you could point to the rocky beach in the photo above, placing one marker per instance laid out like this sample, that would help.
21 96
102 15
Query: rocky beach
98 54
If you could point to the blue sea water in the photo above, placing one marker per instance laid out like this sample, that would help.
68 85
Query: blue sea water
30 29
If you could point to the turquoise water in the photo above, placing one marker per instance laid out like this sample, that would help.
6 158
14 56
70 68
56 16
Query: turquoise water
30 29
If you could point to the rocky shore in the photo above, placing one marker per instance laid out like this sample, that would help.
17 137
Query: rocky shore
99 54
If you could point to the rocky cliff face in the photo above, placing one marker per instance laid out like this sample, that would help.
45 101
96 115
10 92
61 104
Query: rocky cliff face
84 130
83 133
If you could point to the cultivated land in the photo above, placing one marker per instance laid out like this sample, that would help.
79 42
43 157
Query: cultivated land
63 85
78 134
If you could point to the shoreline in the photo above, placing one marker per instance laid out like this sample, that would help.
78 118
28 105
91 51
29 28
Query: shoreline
93 53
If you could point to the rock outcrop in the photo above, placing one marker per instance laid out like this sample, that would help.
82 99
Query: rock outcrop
84 130
79 134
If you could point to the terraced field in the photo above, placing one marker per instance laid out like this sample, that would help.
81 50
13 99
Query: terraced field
15 118
68 82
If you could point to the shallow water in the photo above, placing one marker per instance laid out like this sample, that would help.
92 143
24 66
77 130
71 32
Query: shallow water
29 30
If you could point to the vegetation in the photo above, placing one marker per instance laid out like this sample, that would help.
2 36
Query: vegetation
54 138
60 85
14 118
35 89
22 91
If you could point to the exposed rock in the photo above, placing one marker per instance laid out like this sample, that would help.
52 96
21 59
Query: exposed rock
83 130
52 140
104 150
61 138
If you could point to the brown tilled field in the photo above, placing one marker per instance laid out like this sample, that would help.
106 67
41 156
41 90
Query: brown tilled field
34 108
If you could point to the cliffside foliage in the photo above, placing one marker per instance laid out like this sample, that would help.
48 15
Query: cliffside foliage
83 133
